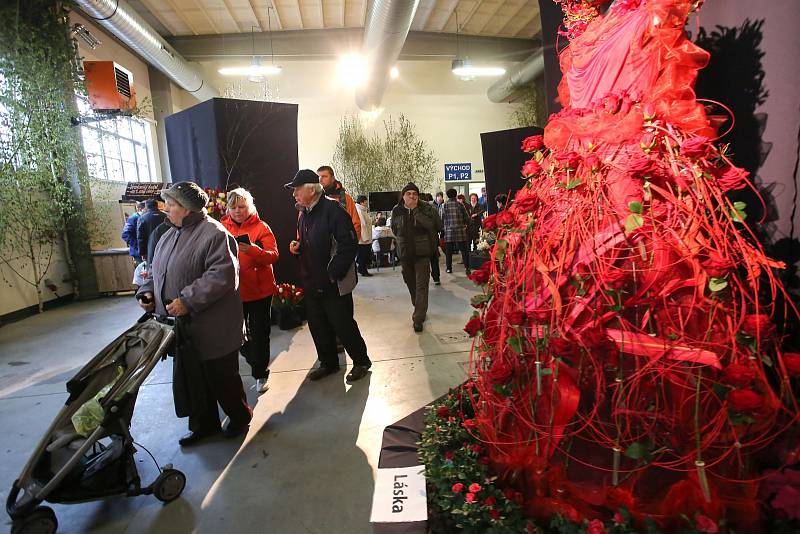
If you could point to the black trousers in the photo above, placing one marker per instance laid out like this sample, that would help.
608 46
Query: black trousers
257 324
331 317
450 247
363 256
435 271
224 386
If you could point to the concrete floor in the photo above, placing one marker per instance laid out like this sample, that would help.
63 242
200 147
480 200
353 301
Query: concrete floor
307 464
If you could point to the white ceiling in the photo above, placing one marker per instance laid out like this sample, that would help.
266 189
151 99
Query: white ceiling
492 18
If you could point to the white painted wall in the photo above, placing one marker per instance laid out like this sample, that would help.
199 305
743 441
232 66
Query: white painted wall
450 114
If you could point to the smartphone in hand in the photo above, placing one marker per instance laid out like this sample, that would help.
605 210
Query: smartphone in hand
244 238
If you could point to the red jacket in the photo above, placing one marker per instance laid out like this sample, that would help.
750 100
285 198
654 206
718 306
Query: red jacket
256 279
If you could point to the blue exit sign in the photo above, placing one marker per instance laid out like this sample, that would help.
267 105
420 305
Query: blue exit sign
457 172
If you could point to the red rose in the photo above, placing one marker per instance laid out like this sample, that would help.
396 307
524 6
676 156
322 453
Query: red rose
593 162
490 222
695 147
738 375
489 501
516 317
560 346
469 424
614 277
506 218
526 204
533 143
474 487
470 497
758 324
745 400
618 519
481 276
494 514
716 266
448 455
611 104
641 166
649 111
475 448
442 411
792 362
595 526
473 326
531 168
732 178
706 524
500 371
458 487
569 160
648 141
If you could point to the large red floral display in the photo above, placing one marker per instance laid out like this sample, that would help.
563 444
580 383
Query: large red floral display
625 355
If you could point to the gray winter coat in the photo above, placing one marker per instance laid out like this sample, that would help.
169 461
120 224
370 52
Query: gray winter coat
198 264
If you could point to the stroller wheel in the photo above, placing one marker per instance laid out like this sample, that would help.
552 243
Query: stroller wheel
41 521
169 485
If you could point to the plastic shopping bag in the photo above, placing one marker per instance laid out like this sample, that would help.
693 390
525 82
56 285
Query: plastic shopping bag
89 416
141 274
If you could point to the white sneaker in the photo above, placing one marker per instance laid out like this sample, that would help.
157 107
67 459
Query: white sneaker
261 385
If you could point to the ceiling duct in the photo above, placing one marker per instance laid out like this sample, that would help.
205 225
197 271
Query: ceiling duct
121 20
384 35
517 78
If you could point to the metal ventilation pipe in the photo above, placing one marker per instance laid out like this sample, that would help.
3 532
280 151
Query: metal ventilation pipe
123 21
512 81
384 36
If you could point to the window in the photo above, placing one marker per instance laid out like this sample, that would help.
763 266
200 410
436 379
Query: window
117 149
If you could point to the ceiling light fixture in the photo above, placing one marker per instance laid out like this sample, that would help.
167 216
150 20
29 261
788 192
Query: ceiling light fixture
394 73
353 70
464 69
256 72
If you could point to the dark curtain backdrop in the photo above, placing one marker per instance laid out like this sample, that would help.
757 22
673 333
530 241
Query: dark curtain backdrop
226 143
502 160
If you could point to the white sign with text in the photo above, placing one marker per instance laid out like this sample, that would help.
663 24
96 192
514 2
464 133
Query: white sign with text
400 495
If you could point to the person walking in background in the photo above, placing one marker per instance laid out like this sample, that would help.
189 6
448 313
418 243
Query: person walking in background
258 251
475 211
129 233
365 237
501 200
436 274
151 218
455 221
416 226
195 278
482 200
334 190
326 247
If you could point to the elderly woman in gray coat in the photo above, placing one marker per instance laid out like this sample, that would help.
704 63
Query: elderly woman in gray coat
195 276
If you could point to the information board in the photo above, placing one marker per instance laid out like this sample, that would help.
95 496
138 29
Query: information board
141 190
457 172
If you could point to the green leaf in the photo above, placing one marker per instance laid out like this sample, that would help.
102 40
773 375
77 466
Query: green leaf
767 360
717 284
635 207
500 251
721 390
739 418
632 222
477 300
638 451
738 213
547 371
572 184
502 389
515 343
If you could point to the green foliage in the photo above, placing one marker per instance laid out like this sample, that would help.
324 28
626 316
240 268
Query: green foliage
384 162
39 149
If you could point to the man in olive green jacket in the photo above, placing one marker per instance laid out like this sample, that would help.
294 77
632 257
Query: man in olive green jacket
416 226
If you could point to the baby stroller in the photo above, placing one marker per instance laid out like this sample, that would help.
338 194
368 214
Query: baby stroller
83 458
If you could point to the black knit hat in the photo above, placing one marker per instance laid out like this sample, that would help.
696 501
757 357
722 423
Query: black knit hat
188 194
303 176
410 186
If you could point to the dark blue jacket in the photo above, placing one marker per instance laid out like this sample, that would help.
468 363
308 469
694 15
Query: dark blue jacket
147 223
130 236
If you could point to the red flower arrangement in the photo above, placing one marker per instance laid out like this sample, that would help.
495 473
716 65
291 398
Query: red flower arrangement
288 296
217 203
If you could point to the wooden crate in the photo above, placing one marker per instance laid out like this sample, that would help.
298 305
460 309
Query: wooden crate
114 268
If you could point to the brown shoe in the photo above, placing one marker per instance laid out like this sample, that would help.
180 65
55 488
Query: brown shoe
358 372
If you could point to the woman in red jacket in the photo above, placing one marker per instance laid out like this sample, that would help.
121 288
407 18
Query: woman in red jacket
257 252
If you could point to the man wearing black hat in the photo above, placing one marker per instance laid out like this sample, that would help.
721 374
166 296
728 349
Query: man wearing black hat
416 226
327 247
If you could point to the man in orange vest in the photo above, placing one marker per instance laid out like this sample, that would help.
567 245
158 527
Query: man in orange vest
334 190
